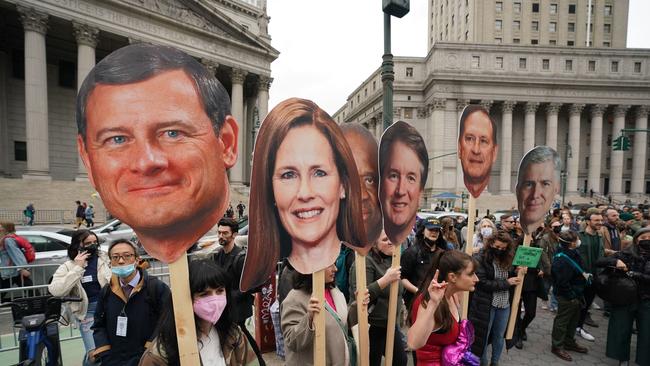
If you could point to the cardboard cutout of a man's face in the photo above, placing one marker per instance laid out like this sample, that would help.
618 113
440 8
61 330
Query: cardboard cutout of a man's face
153 155
538 182
403 162
477 148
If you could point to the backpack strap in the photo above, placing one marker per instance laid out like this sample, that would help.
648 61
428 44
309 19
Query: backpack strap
573 263
352 349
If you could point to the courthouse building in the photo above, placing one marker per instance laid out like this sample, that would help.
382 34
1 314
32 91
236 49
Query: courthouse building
545 79
47 47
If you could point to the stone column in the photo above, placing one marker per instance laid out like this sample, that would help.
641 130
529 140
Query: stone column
87 38
505 147
574 145
36 117
237 77
529 126
460 184
616 161
436 132
595 146
210 65
552 110
640 148
264 84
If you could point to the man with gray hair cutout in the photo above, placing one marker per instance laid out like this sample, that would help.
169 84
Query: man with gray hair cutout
538 181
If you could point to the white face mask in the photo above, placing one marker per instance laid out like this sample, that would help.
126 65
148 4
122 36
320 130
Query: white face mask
578 244
486 232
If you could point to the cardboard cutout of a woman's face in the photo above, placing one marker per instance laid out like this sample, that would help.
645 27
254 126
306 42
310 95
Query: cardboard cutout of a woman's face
477 148
403 165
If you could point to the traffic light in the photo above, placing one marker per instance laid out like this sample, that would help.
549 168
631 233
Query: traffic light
625 143
616 144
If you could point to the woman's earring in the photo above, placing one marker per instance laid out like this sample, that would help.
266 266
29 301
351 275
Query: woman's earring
343 195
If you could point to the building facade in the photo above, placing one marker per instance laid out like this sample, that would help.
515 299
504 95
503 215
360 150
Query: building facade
47 47
575 99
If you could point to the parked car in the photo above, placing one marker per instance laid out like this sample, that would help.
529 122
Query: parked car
51 248
441 214
113 230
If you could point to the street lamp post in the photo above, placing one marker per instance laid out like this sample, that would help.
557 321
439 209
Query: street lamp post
397 8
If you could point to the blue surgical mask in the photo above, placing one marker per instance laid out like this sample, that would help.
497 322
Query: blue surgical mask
123 271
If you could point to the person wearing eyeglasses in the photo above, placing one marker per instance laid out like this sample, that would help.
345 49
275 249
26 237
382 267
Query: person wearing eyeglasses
83 275
127 310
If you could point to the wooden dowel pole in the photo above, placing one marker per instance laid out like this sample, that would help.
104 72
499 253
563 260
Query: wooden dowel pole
392 308
318 288
517 297
188 351
469 246
362 310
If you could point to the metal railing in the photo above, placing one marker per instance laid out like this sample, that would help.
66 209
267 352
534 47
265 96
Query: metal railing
40 275
47 216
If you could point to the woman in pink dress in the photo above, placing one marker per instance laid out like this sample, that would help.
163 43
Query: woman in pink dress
435 312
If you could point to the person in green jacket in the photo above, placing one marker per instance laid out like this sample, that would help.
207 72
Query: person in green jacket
591 249
379 277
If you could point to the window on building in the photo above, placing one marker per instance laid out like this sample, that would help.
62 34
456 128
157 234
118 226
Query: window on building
408 113
534 41
498 63
498 24
516 7
498 40
571 27
552 42
568 65
374 85
352 104
365 92
18 64
608 161
516 40
591 66
591 28
552 27
608 10
476 62
607 28
67 74
553 9
534 26
587 158
535 7
20 151
358 98
408 97
614 66
637 67
466 35
546 64
498 6
606 44
409 72
572 8
516 25
522 62
570 43
628 164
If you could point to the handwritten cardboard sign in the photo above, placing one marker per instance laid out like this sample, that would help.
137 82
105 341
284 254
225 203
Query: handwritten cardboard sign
527 256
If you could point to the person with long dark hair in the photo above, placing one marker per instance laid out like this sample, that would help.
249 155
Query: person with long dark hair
489 307
435 311
221 341
83 275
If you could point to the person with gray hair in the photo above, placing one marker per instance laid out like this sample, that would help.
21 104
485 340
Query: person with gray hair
156 136
538 181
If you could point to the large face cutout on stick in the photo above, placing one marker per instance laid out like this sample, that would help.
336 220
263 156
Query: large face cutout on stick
538 182
403 170
305 193
477 147
156 137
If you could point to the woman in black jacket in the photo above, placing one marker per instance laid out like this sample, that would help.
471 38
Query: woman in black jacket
635 261
490 302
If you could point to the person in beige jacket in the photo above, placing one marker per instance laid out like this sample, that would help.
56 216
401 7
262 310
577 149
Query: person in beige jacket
296 316
83 275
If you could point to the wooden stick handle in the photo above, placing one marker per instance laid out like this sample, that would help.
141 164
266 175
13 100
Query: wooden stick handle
517 297
188 350
318 286
362 310
392 309
469 246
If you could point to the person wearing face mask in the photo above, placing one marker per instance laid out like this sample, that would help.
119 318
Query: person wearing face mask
128 309
635 261
486 228
83 275
379 277
489 307
569 281
220 340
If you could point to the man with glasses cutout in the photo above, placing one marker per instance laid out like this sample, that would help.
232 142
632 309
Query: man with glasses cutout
128 308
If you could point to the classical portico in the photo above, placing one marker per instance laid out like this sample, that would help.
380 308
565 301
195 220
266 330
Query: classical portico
62 41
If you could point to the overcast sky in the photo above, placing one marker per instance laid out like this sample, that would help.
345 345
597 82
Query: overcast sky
328 47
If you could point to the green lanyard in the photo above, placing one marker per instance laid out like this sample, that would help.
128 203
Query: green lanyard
352 347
